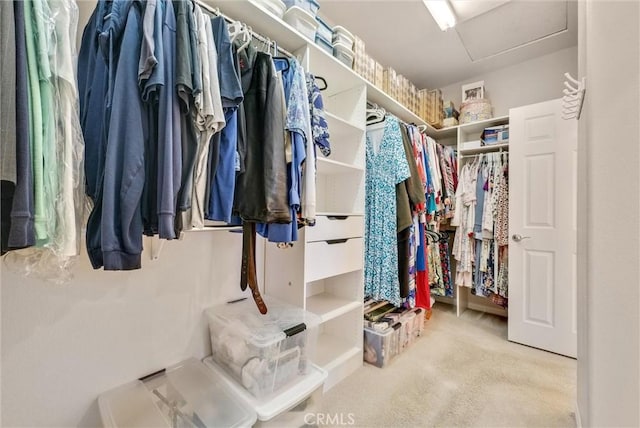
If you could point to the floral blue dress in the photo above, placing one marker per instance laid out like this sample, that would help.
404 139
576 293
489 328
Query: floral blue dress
386 166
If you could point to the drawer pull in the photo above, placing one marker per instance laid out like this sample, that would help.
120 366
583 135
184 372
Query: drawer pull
337 217
337 241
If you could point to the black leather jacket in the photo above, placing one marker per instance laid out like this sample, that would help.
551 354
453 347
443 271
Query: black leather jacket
261 190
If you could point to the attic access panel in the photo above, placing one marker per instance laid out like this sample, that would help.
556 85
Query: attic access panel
512 25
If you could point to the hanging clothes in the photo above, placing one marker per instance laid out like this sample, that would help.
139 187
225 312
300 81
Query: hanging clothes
464 219
208 115
8 171
225 160
189 85
163 152
319 125
261 191
386 166
481 250
298 118
18 203
114 230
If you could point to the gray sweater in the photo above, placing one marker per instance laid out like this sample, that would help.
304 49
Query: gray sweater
7 93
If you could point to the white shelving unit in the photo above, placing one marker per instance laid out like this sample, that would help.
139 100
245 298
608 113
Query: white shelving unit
463 298
324 271
485 149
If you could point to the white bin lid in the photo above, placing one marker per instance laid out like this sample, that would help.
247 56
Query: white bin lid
273 405
243 319
197 395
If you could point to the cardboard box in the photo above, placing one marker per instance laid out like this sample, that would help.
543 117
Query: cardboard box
378 75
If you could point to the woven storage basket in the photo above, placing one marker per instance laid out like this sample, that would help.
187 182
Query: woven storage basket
475 110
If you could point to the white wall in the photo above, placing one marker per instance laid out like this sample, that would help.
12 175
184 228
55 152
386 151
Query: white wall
62 345
529 82
608 352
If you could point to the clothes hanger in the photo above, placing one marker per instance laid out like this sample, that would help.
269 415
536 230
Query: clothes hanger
247 35
235 28
377 115
323 80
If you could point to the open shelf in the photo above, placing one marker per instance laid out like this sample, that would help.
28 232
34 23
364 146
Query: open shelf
481 124
216 229
330 166
485 149
333 351
343 78
340 128
328 306
448 132
340 214
320 62
378 96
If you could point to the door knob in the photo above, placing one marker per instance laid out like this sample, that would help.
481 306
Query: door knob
516 237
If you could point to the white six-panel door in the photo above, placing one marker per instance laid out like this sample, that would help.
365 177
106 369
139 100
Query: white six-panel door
542 228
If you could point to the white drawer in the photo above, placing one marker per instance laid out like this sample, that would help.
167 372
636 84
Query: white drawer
324 259
335 227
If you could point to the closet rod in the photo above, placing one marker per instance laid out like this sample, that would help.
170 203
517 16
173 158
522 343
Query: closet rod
216 11
484 154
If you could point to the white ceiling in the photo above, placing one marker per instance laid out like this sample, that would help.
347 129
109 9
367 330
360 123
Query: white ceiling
496 33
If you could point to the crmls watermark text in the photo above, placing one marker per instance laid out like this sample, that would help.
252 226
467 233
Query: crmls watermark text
332 419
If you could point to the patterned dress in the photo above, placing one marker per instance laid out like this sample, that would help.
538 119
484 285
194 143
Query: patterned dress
386 166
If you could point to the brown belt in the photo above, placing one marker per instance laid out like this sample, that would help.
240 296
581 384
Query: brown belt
248 273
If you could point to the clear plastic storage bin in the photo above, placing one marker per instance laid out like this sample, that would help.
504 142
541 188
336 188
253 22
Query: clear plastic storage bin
324 31
344 54
326 46
286 408
185 395
276 7
379 347
263 352
302 20
309 5
418 321
343 36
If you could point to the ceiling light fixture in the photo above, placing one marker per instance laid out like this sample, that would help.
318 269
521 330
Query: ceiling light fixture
441 12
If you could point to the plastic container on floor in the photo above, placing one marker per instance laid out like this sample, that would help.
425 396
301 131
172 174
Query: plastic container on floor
187 395
343 54
301 20
379 348
276 7
407 335
325 45
419 322
309 5
343 36
324 30
263 352
286 408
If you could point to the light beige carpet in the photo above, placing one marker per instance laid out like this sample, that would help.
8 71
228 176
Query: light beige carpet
461 372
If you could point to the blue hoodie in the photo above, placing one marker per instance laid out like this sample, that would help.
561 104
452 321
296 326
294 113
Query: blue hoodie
114 230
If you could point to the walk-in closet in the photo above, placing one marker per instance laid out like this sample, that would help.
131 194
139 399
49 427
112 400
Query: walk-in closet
291 213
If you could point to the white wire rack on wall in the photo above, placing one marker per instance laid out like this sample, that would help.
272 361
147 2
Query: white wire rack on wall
573 97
